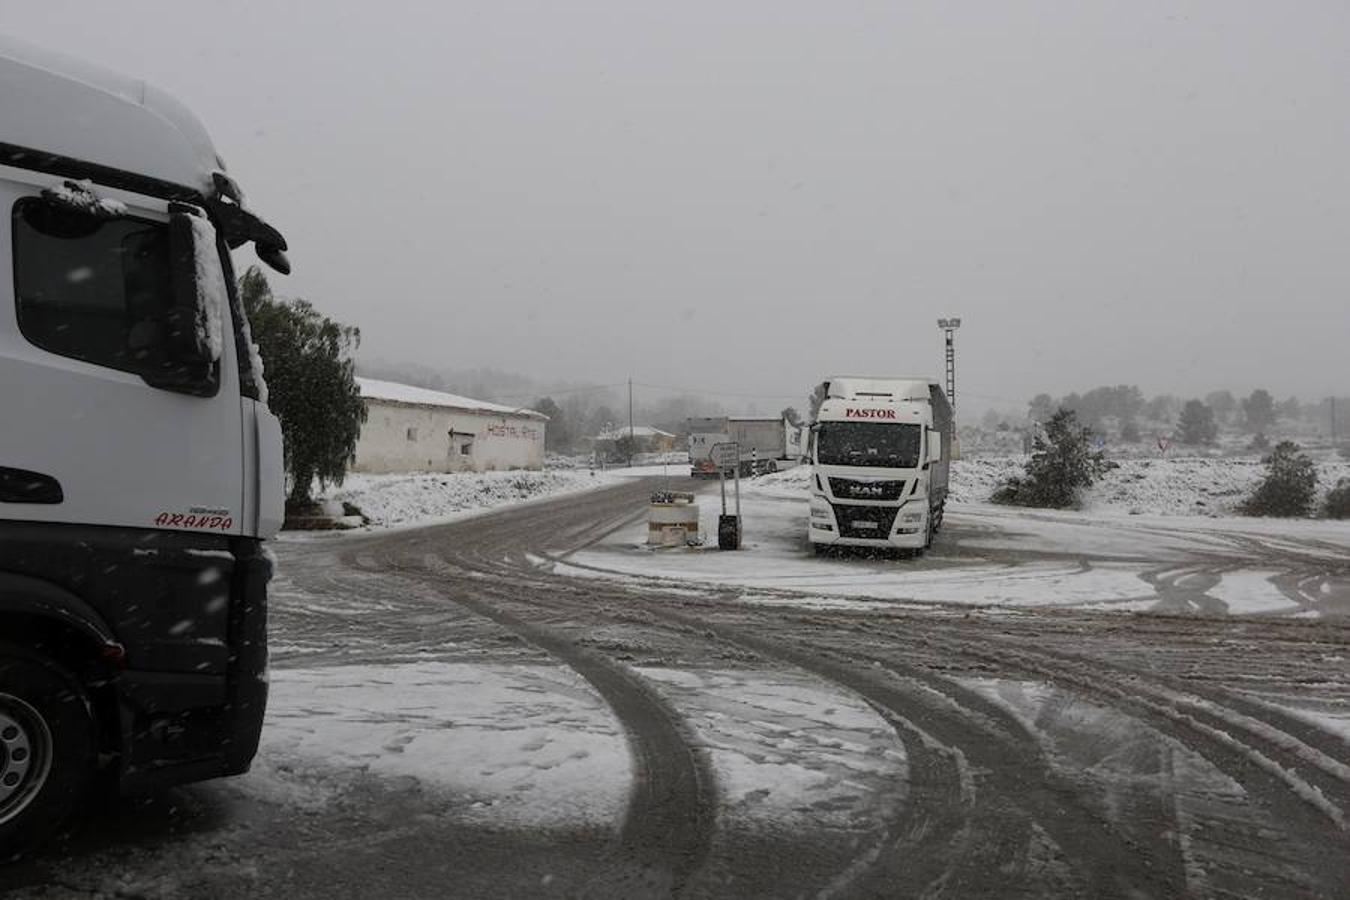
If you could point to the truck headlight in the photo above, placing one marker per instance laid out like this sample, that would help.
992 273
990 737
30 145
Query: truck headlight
820 508
912 517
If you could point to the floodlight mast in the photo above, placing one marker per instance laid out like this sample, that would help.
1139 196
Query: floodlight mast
949 326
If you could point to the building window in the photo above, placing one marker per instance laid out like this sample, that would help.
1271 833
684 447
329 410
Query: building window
466 448
412 433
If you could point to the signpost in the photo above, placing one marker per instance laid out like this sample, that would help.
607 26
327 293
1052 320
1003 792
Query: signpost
727 455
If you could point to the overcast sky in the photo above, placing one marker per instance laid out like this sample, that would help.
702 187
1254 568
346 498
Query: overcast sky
750 196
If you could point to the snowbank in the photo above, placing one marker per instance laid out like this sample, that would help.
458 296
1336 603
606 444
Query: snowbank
387 500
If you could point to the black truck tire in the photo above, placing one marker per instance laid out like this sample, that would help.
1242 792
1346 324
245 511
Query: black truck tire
47 748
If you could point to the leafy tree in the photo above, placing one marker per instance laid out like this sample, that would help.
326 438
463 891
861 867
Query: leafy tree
1259 410
1062 462
1129 431
790 413
1197 423
1223 403
625 448
1260 442
1337 505
1041 408
1291 409
1289 487
311 380
558 435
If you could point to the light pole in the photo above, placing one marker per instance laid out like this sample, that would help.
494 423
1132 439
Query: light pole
949 326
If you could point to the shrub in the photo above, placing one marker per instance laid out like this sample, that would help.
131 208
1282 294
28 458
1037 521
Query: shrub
1260 442
1289 487
1062 462
1337 505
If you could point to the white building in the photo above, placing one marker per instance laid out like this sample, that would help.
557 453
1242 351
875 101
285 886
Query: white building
412 429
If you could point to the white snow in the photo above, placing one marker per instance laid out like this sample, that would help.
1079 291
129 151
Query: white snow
212 295
788 750
1060 558
425 498
1175 486
1250 592
374 389
81 194
532 745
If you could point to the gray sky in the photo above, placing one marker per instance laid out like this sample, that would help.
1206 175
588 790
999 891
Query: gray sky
754 195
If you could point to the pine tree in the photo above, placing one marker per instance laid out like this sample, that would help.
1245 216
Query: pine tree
1289 487
1259 409
1062 463
311 381
558 436
1197 423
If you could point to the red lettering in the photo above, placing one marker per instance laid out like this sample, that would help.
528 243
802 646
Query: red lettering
851 413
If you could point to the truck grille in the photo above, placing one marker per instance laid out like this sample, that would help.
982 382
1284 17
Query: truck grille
852 489
865 521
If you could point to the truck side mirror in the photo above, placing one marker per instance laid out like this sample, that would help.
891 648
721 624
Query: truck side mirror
934 446
193 335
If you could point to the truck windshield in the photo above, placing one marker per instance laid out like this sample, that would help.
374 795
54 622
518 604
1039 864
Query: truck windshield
892 445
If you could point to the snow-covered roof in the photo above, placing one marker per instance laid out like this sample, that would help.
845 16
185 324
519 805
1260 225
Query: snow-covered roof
57 104
638 431
393 392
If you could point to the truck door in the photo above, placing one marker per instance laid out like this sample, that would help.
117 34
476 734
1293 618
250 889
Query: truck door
85 314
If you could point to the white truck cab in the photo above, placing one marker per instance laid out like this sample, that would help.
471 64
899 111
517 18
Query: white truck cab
880 450
140 468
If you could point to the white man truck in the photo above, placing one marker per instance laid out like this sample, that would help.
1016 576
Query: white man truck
880 451
766 444
140 468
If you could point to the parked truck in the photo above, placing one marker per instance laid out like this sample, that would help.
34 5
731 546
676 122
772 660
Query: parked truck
766 444
880 451
140 468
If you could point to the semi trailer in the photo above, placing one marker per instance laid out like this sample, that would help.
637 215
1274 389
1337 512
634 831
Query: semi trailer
880 451
140 467
766 444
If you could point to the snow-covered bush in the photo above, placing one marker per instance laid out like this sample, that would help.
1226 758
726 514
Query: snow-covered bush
1062 463
1337 505
1289 487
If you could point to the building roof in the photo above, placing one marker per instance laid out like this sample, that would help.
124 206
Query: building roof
638 431
406 394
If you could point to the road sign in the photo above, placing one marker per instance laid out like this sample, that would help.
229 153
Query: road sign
726 455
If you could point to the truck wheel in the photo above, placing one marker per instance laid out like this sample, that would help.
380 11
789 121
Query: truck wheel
46 748
771 468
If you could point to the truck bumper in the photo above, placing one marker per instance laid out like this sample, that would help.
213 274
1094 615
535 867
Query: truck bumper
179 727
825 527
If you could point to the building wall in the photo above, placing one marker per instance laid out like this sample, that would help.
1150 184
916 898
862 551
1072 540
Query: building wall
402 438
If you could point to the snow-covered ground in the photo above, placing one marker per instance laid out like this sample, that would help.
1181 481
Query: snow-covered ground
426 498
1131 549
520 744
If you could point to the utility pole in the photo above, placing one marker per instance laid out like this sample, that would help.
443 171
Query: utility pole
631 437
949 326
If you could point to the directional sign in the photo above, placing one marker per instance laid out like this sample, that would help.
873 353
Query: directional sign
726 455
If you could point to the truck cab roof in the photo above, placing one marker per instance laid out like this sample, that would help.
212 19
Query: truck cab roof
55 104
73 119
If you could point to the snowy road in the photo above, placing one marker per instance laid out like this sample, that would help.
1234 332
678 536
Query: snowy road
507 707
